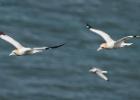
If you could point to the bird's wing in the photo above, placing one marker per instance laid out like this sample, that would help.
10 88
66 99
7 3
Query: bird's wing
40 48
124 39
104 35
51 47
102 76
10 40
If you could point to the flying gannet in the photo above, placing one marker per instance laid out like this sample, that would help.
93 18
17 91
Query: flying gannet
21 50
109 42
99 72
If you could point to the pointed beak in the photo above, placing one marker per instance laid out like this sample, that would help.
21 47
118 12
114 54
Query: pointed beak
90 70
99 49
11 54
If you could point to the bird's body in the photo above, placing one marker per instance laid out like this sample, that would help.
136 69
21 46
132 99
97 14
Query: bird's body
21 50
99 72
25 51
109 42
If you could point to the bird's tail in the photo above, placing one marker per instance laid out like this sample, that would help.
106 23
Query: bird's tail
127 44
105 72
54 47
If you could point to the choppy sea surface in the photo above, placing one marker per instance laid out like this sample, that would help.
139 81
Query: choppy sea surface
63 73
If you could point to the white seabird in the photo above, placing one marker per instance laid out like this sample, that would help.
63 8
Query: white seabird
110 43
20 49
100 73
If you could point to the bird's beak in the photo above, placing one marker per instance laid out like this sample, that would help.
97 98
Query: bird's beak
99 49
11 54
90 70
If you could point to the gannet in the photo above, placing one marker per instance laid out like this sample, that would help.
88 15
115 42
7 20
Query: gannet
21 50
99 72
109 42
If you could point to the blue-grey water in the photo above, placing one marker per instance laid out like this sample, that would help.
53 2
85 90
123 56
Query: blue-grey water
63 73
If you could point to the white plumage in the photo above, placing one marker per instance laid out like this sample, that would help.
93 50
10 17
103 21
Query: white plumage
20 49
109 42
99 72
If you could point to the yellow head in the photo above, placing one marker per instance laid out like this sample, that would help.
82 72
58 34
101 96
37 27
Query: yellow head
102 46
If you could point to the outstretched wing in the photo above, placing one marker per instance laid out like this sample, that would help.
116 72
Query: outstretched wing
51 47
104 35
102 76
124 39
10 40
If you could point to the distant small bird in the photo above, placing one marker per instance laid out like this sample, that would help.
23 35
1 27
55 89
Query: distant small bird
99 72
110 43
21 50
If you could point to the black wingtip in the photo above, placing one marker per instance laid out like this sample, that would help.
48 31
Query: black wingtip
88 26
2 33
108 80
136 36
57 46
